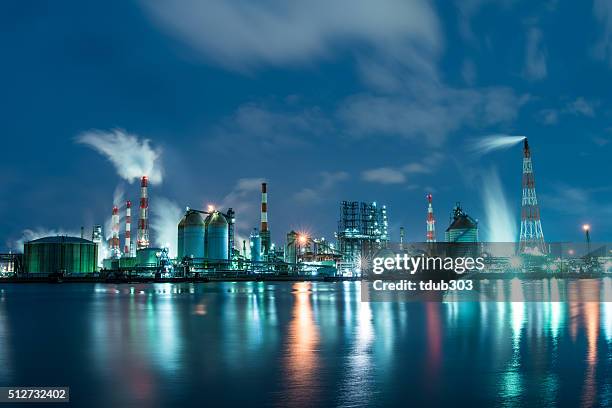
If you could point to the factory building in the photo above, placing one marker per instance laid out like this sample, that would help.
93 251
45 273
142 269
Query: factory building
462 228
362 229
61 254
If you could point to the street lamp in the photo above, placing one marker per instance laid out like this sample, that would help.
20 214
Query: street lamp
587 230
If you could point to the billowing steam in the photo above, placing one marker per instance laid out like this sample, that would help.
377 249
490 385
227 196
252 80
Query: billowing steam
495 142
500 219
132 157
32 234
165 216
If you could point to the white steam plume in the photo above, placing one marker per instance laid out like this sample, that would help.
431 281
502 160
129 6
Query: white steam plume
132 157
494 142
32 234
165 217
501 226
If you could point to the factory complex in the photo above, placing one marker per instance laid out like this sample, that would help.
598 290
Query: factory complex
208 247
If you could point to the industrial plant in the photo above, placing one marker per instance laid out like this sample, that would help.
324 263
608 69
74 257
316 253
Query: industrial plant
208 247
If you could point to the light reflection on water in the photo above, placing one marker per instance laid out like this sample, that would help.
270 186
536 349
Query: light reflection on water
305 344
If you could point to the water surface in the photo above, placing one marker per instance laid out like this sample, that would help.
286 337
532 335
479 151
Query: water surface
299 344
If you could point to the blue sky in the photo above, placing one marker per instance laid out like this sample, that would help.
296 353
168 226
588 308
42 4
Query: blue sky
352 100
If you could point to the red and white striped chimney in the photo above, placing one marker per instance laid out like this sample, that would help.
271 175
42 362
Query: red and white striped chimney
115 251
264 207
143 222
264 232
128 227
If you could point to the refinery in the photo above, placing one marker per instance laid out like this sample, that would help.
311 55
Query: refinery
208 247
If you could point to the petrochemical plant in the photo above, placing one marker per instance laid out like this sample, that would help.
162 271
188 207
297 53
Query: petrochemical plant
207 245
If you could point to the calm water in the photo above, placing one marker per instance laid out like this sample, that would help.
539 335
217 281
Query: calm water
299 344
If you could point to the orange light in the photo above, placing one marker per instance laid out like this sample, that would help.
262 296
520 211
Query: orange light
211 208
302 239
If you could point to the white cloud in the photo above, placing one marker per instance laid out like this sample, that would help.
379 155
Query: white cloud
429 114
578 107
535 56
603 13
548 116
132 157
326 181
242 34
255 128
384 175
581 106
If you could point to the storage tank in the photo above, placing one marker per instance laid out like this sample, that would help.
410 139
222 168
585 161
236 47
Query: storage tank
255 246
191 234
61 254
148 256
217 237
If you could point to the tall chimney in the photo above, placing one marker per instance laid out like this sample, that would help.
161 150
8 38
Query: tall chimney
143 222
128 227
115 252
264 231
431 221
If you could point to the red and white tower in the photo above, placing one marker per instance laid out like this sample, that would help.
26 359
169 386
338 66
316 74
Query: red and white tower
431 221
531 238
143 223
114 242
264 231
128 228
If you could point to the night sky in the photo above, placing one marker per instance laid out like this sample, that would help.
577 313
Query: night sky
328 101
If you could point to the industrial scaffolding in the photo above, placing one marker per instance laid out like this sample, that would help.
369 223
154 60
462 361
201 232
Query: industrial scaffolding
362 229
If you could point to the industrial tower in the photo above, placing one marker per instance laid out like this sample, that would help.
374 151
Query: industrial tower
264 231
431 221
127 249
114 242
142 240
532 238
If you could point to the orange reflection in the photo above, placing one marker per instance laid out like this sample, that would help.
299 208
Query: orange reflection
591 316
302 342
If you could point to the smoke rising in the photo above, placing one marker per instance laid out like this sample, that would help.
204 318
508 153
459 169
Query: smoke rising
132 157
165 216
32 234
501 226
495 142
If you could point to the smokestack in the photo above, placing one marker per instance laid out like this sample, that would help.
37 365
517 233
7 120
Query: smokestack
431 221
401 239
264 231
526 148
143 222
128 227
115 252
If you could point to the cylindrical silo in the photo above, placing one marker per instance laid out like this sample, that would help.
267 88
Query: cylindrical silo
255 245
191 234
60 254
217 237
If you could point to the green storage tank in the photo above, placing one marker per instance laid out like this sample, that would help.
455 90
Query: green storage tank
61 254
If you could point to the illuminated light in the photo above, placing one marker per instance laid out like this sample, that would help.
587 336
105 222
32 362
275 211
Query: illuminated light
211 208
586 227
516 261
302 239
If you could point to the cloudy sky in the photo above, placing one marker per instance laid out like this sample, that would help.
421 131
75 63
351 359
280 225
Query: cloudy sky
327 101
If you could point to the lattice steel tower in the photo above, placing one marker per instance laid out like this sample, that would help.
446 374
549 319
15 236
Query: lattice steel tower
532 237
